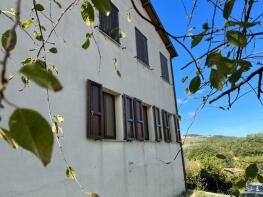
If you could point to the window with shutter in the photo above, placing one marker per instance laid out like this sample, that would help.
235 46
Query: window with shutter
157 124
164 67
95 126
110 24
141 46
128 117
166 126
109 116
145 121
139 123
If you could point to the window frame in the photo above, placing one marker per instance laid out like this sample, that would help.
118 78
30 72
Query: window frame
102 17
145 57
164 68
105 119
177 131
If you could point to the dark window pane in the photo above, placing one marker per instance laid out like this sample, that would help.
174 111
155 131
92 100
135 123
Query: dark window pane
141 46
109 116
164 67
110 24
145 121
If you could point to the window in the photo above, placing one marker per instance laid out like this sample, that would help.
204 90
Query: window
110 24
139 123
100 113
166 126
145 121
142 48
157 124
109 116
128 118
164 67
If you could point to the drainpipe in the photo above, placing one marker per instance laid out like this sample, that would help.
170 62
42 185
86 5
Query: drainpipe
178 125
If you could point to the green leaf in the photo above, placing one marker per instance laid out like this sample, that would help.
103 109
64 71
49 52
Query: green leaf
241 24
9 38
26 61
205 26
228 8
38 35
27 24
216 79
221 156
235 77
58 118
53 50
87 13
103 6
213 58
236 38
41 77
86 43
195 84
197 39
245 65
32 132
70 172
39 7
4 134
251 171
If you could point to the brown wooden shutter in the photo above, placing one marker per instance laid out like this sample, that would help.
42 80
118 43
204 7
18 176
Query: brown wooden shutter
145 123
164 67
95 123
157 124
139 125
142 47
128 118
177 132
166 126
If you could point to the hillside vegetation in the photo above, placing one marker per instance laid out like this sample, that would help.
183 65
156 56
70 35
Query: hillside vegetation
206 171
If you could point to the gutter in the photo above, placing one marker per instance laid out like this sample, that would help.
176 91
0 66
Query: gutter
178 125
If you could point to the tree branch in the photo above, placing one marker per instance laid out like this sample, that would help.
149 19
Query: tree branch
257 72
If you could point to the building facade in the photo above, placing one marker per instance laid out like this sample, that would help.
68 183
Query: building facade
119 106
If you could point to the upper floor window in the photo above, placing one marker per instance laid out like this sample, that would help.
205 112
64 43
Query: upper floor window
110 24
100 113
142 48
164 67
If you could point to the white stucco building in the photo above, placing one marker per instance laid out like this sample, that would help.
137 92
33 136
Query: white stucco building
119 105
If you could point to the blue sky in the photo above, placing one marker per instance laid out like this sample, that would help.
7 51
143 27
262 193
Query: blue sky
245 117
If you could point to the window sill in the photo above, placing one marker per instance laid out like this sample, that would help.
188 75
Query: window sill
109 38
143 63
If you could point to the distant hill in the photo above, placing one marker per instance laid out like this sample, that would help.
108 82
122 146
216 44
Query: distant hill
248 148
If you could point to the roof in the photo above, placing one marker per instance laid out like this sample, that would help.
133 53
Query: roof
147 5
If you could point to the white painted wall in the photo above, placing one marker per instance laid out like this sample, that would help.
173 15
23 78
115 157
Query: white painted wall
110 168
